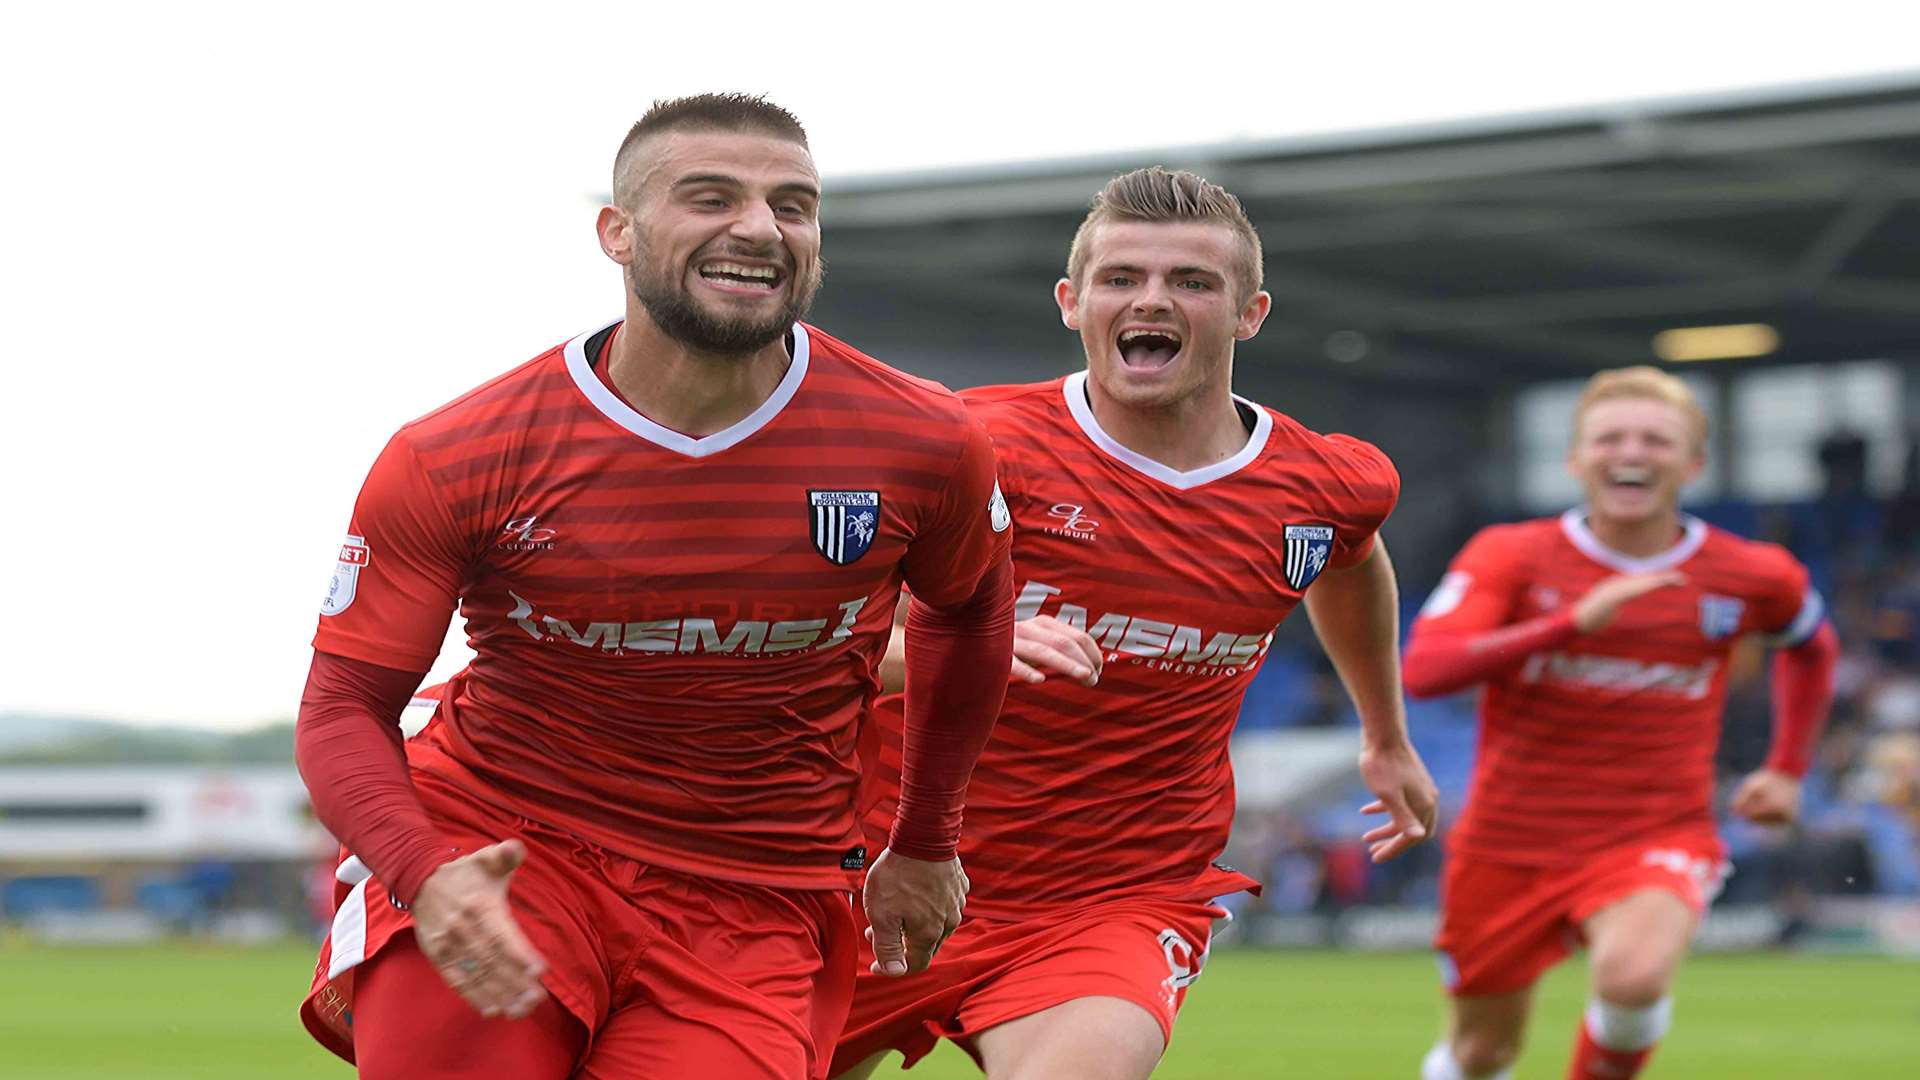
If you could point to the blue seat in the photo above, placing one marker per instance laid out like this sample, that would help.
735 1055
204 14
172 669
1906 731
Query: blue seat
1281 691
170 899
24 897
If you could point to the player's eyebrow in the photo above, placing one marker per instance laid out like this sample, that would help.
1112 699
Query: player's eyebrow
697 179
1178 271
800 187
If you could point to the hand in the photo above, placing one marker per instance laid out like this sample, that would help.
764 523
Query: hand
1768 797
1405 792
1044 644
912 905
463 924
1596 610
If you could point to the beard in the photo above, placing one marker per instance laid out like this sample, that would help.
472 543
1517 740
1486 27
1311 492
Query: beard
681 317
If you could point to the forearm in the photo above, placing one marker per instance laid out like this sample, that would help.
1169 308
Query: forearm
1802 680
1356 614
1447 663
956 664
349 750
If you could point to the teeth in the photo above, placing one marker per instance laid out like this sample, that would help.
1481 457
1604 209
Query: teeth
1132 334
767 272
1629 476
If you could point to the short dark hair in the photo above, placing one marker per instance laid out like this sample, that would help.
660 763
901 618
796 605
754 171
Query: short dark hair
702 112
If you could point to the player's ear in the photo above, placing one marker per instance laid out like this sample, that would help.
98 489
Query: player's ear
1069 301
1695 466
615 228
1252 314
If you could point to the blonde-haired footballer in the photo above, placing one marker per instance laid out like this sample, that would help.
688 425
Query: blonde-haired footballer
1602 638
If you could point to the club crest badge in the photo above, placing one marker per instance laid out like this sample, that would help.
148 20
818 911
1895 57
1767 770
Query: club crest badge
997 514
844 523
354 554
1720 616
1308 548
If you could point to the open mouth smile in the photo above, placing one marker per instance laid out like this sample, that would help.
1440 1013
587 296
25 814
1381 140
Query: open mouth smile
1629 478
729 275
1149 349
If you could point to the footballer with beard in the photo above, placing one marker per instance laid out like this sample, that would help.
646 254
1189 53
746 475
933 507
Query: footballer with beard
625 844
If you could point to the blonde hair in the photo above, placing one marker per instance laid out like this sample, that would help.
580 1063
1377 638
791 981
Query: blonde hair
1644 381
1155 194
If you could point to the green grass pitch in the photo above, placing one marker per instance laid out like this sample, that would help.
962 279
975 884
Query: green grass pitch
213 1013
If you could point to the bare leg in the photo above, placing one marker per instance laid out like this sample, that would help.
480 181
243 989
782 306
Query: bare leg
1090 1038
1484 1034
1637 945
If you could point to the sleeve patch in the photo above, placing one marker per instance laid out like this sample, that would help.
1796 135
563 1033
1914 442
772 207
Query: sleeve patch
1447 595
354 554
997 510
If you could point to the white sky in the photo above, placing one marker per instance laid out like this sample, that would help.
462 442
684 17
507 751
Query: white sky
240 244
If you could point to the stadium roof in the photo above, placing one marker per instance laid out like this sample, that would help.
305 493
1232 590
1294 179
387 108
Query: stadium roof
1518 247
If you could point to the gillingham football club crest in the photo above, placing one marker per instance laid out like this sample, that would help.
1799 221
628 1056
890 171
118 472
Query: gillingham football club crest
1308 548
844 523
1720 616
354 554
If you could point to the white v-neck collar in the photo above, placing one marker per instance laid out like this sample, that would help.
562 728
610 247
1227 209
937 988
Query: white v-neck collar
602 397
1074 387
1574 524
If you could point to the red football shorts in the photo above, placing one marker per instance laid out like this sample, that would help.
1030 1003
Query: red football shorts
992 971
1502 924
668 974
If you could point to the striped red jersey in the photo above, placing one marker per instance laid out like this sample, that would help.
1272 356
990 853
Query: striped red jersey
1084 792
675 637
1609 738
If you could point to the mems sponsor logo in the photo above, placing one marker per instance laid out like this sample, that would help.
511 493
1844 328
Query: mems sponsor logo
689 636
1620 674
1163 646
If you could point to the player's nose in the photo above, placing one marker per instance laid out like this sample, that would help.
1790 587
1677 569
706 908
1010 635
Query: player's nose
756 225
1152 296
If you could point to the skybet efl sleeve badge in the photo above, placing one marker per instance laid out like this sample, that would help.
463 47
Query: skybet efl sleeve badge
844 523
1308 548
354 554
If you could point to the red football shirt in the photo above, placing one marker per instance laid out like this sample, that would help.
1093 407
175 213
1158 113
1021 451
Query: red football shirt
675 636
1084 792
1609 738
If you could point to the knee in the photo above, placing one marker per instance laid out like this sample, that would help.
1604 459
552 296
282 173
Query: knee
1484 1053
1632 978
